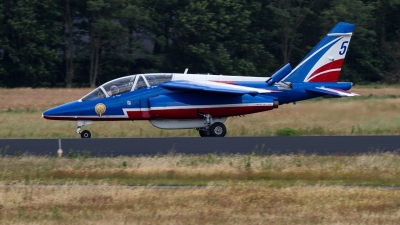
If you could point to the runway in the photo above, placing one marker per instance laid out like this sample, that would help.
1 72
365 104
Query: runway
321 145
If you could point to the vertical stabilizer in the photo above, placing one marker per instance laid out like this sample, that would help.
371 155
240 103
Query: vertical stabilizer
324 62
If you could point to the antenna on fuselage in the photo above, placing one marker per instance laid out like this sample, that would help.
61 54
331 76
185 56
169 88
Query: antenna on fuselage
186 70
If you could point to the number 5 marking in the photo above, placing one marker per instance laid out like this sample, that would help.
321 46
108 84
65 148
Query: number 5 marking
343 48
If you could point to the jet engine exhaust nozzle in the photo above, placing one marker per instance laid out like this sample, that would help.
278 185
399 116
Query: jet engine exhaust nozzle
276 104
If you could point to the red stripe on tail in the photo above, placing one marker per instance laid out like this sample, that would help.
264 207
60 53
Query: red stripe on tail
328 76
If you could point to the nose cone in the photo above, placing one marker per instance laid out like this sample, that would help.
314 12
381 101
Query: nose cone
61 112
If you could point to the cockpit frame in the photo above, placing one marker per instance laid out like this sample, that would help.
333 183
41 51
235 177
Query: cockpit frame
122 83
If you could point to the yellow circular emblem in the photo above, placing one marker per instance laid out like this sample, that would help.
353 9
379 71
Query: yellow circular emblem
100 109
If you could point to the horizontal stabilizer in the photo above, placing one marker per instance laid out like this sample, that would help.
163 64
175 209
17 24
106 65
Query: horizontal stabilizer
332 91
183 85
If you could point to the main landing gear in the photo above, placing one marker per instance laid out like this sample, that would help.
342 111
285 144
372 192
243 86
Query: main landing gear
212 129
85 133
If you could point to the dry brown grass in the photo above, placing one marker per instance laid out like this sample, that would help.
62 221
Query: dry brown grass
272 171
39 98
22 108
378 91
44 98
209 205
238 190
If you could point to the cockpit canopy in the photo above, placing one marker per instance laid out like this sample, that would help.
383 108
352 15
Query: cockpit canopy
126 84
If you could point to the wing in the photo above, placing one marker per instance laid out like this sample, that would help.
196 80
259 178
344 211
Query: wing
184 85
332 91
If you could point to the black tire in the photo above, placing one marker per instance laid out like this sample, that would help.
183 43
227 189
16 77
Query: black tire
86 134
204 133
218 130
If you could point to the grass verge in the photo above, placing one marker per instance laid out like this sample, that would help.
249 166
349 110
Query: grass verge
227 170
210 205
234 189
376 112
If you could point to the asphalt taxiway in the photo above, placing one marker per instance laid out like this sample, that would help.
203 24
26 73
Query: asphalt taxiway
321 145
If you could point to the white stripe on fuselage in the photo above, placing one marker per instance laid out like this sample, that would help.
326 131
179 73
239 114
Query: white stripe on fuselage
232 87
221 78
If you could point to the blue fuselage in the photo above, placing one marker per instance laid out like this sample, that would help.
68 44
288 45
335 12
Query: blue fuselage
156 102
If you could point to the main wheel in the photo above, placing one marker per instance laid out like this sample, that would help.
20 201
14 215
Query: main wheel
218 130
86 134
204 133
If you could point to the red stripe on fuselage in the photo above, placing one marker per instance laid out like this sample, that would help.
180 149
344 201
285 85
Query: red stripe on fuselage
329 76
192 113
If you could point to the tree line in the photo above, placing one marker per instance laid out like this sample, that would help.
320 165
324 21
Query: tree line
75 43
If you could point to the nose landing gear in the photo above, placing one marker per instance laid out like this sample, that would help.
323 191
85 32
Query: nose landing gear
85 133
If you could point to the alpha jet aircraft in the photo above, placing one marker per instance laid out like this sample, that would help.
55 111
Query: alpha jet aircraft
204 102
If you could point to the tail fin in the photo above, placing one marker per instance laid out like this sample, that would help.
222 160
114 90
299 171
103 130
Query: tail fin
324 62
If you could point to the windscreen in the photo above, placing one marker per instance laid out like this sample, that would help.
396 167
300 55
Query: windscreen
95 94
114 87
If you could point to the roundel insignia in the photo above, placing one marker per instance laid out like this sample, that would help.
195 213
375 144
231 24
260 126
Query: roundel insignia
100 109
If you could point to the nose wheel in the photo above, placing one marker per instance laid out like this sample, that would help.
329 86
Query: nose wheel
85 133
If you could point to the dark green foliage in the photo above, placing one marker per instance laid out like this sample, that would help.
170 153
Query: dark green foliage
287 131
110 39
29 38
313 131
85 154
72 154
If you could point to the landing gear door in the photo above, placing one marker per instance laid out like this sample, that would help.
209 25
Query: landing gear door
145 108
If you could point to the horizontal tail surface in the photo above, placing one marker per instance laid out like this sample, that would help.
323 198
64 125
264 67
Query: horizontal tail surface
332 91
324 62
